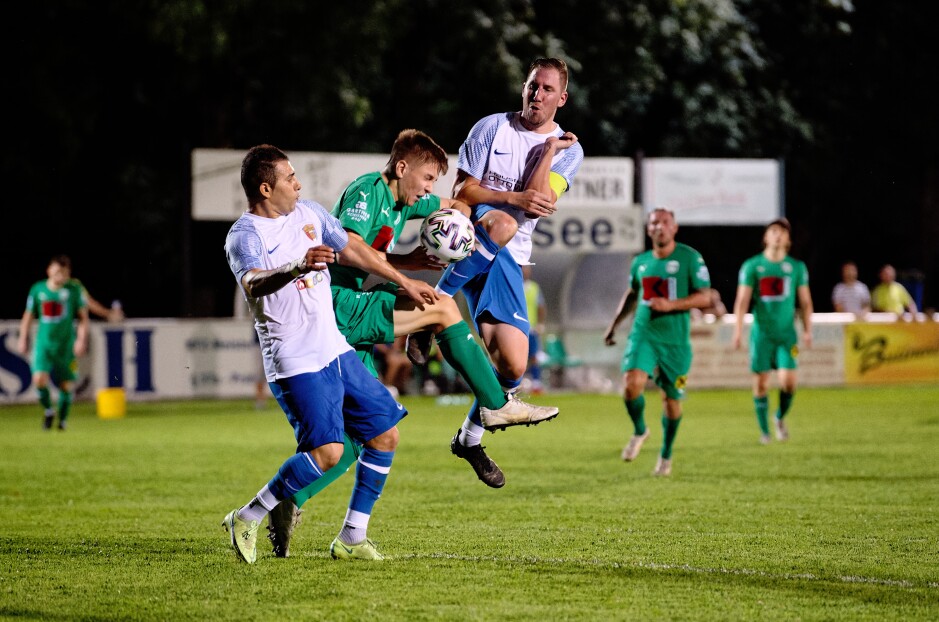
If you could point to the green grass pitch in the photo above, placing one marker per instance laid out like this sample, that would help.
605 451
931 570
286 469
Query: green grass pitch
120 519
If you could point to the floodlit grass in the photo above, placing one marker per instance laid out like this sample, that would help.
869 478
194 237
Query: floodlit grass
120 519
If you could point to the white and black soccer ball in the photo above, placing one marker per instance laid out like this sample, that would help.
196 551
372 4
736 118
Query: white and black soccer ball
448 235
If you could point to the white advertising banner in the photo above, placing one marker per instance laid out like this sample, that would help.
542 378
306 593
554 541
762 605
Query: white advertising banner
596 215
714 191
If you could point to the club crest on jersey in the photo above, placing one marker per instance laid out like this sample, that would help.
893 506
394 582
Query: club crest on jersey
672 267
310 231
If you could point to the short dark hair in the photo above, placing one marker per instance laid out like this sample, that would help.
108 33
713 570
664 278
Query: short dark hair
551 63
63 260
417 148
257 168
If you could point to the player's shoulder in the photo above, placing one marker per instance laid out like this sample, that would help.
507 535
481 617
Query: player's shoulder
688 251
491 122
307 207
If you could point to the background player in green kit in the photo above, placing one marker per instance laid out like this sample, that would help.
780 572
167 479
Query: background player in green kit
375 208
777 281
664 284
56 302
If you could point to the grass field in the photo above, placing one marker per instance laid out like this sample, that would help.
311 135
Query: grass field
120 519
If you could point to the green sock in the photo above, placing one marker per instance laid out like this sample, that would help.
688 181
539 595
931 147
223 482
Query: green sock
670 426
466 357
65 405
635 408
785 402
44 398
762 410
350 453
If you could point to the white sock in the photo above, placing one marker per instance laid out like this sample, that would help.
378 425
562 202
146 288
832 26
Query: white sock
471 434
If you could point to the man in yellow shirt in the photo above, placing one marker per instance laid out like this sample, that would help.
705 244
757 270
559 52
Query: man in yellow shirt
890 296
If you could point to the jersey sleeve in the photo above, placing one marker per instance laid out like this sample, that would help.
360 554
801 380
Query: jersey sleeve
569 164
746 274
334 235
474 152
425 206
353 210
243 248
700 276
803 275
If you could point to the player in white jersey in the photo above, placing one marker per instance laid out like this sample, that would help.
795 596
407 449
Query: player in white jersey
513 166
278 251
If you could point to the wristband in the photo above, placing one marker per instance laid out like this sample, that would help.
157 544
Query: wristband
296 266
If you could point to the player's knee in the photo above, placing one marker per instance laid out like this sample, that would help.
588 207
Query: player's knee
386 441
448 313
327 456
500 226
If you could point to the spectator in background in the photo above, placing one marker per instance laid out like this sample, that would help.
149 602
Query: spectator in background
56 302
537 313
891 297
851 295
773 281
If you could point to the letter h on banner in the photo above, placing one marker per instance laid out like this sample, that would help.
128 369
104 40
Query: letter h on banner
144 359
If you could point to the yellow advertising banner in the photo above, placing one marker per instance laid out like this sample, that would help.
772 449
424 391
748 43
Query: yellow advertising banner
878 353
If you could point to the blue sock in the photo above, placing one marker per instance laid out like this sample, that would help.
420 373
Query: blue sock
458 274
370 475
473 415
509 384
298 471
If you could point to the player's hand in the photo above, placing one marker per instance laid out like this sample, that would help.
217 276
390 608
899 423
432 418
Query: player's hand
735 341
535 204
662 305
419 291
81 346
318 256
417 259
807 340
610 337
565 140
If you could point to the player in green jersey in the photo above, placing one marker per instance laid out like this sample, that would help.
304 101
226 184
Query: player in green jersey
774 281
375 208
665 283
56 302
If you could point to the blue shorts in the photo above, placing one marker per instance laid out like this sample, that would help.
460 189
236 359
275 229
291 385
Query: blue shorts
499 294
341 397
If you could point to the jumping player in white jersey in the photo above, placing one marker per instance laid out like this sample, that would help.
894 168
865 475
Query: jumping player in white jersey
278 251
513 166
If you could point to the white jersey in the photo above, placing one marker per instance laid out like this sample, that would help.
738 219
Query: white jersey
501 154
296 324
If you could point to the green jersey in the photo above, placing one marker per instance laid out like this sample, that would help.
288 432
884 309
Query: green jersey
775 285
56 311
368 208
677 276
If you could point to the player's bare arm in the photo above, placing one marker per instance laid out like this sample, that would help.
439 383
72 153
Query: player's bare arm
22 342
626 306
697 300
805 305
360 255
741 304
460 206
530 201
81 335
258 283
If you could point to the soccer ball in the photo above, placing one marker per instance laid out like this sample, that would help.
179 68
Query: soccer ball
448 235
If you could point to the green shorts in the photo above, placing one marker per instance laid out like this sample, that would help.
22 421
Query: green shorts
767 354
61 365
666 363
366 318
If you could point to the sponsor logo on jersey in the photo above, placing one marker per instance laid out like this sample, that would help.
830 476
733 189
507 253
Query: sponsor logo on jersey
358 212
773 288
